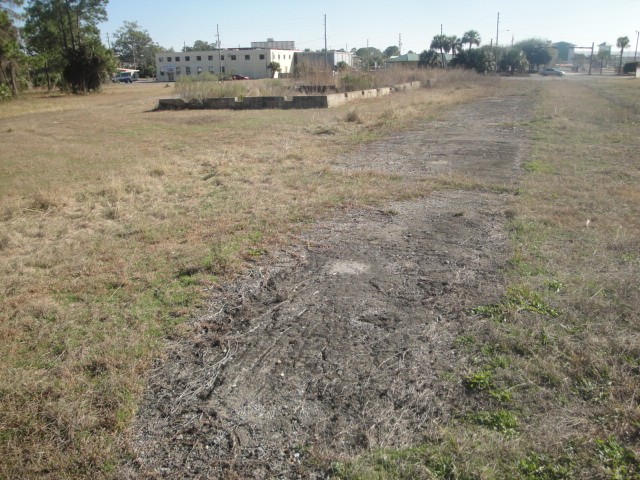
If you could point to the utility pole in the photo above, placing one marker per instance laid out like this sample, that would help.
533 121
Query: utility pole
400 44
219 57
635 55
497 36
593 44
326 52
109 42
440 29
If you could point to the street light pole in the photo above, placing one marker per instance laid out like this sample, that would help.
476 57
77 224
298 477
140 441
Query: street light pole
635 55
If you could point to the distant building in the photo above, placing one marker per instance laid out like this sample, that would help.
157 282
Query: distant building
249 62
406 60
271 43
566 51
317 59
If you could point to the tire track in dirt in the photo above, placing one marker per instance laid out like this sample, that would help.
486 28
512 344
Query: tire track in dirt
341 343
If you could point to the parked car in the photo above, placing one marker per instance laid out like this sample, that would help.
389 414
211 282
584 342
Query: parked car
123 77
553 72
239 77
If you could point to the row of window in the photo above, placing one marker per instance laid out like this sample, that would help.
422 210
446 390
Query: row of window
187 58
187 71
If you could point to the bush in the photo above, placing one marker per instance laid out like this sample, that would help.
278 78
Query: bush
630 67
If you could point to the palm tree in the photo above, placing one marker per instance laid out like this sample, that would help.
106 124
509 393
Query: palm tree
274 67
622 43
472 38
442 43
455 44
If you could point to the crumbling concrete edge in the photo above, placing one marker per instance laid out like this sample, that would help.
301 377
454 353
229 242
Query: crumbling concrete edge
288 103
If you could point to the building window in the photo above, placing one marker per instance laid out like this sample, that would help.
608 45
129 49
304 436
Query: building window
162 73
187 70
247 57
160 59
211 70
278 56
198 70
187 58
177 59
168 59
224 70
210 57
233 57
221 57
178 71
198 58
261 56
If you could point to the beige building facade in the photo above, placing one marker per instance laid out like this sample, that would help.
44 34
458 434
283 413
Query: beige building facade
248 62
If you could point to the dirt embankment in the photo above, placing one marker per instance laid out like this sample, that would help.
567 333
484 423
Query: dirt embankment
343 342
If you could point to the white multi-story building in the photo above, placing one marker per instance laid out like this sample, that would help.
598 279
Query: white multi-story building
271 43
249 62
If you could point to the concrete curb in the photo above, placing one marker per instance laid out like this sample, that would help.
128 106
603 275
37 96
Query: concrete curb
287 103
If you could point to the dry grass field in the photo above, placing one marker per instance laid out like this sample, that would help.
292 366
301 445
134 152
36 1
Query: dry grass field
115 222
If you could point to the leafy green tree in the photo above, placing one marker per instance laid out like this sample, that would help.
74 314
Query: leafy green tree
65 33
274 67
135 48
443 43
537 51
370 57
429 59
200 46
621 43
391 51
513 60
471 37
11 57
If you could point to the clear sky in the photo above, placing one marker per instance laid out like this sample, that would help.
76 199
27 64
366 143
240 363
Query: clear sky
171 24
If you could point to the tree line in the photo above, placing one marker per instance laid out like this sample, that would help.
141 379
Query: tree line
59 46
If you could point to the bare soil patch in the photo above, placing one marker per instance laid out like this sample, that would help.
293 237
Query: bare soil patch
341 343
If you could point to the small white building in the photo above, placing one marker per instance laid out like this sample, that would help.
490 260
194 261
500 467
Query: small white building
248 62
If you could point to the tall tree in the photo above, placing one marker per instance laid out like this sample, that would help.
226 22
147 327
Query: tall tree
513 61
391 51
622 43
443 43
472 38
10 56
455 45
65 32
134 48
537 51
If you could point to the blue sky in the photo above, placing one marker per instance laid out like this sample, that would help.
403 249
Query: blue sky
353 24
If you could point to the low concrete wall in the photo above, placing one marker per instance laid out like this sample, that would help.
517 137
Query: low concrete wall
285 103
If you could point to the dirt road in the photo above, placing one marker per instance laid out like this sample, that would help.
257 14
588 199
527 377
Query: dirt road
343 342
